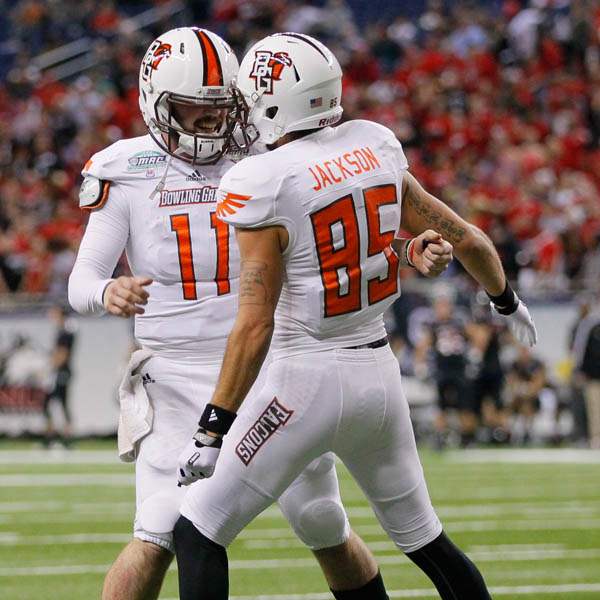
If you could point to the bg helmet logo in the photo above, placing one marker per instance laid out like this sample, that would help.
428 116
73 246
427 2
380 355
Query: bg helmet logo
267 68
157 51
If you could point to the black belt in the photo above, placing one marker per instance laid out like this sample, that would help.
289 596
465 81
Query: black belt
376 344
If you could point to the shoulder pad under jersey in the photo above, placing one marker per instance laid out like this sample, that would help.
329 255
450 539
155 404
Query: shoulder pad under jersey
247 194
385 137
133 158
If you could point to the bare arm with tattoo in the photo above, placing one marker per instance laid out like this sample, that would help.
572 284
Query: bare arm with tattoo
260 285
261 278
422 211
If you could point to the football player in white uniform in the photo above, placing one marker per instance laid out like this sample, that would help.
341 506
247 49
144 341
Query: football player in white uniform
316 221
155 196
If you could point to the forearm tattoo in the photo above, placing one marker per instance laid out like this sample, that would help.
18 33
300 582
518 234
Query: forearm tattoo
252 284
449 229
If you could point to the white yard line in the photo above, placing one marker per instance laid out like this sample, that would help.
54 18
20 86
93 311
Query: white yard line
60 457
520 509
52 570
505 455
523 525
65 507
546 589
525 491
500 508
443 510
35 506
127 480
528 456
125 514
480 552
538 554
54 518
75 538
12 538
507 547
62 480
268 534
387 545
422 593
302 563
529 555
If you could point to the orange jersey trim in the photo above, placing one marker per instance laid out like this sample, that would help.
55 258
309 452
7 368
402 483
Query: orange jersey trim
103 198
231 203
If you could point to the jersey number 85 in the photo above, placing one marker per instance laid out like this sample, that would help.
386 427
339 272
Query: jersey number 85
346 257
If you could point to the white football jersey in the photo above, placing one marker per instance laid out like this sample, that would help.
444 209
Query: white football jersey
163 211
338 194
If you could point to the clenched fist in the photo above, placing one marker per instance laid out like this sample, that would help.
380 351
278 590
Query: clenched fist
430 253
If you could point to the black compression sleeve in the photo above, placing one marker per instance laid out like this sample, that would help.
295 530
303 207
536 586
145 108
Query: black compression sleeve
201 563
453 574
373 590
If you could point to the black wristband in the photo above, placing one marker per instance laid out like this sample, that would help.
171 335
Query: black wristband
507 302
216 419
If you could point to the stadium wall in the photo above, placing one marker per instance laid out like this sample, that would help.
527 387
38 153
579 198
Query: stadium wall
102 349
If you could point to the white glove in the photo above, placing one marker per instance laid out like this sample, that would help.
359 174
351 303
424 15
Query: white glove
199 457
520 324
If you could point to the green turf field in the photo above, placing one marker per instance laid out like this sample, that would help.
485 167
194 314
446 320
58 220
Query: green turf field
531 521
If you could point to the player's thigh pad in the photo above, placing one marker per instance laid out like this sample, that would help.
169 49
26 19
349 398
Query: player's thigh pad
377 445
282 429
178 393
313 506
157 514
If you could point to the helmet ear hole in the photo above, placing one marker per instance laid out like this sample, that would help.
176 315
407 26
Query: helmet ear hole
271 112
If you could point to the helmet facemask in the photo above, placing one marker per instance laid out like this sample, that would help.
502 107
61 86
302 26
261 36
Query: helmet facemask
231 130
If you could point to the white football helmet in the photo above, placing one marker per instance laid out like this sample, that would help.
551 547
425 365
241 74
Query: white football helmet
191 66
291 82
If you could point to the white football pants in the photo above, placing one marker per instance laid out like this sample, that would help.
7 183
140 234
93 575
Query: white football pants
345 401
178 391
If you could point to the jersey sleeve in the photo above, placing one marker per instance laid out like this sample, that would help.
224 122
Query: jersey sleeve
103 243
247 195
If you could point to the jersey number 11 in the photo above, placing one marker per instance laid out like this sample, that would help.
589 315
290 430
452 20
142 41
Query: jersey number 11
180 224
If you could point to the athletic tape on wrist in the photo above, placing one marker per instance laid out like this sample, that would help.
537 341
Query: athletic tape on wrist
204 439
409 251
216 419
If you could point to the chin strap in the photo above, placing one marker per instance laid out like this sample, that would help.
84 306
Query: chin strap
160 186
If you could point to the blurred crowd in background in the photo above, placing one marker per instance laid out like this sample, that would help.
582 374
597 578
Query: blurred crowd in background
470 383
497 104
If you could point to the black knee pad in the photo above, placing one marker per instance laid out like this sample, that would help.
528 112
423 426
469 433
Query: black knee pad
201 563
452 573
